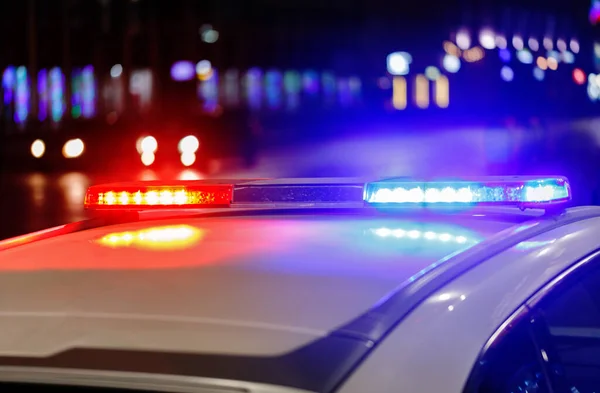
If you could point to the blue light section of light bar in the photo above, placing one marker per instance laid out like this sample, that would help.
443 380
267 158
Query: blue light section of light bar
495 191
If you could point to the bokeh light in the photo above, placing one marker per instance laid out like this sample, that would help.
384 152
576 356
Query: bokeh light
208 34
73 148
148 158
88 81
208 89
203 69
451 49
574 45
534 44
38 148
463 39
554 54
254 91
273 88
188 144
432 73
188 158
399 95
579 76
116 71
57 94
525 56
421 91
501 42
593 87
505 55
507 74
538 74
398 63
292 85
518 43
22 96
149 144
231 87
451 63
182 71
567 57
487 38
442 91
43 95
474 54
542 63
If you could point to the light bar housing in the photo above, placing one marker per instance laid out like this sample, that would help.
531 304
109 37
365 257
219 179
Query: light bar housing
538 192
516 190
299 191
155 194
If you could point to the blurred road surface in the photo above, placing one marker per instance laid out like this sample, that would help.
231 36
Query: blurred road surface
35 201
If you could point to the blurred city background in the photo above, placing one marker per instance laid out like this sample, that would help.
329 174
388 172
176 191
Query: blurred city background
116 90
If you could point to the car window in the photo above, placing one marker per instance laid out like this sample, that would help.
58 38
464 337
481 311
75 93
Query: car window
557 341
511 364
572 318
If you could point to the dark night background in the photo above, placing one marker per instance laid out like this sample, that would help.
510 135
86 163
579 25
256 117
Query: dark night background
289 88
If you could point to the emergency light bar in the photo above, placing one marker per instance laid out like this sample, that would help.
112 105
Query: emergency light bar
516 190
520 191
147 195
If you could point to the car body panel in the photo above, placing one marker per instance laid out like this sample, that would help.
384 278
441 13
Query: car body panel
435 347
232 285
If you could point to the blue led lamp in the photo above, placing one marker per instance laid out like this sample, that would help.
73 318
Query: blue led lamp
533 192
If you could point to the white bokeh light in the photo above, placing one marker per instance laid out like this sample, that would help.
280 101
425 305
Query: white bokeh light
487 39
398 63
525 56
507 74
574 46
203 67
148 144
451 63
517 42
38 148
534 44
210 36
463 39
188 158
188 144
147 158
73 148
501 42
116 71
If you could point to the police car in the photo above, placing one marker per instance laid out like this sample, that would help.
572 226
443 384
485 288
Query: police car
396 285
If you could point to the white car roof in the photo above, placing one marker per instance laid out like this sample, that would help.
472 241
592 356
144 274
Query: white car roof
242 285
261 293
440 341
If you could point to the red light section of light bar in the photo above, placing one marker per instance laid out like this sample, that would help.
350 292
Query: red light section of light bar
158 196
